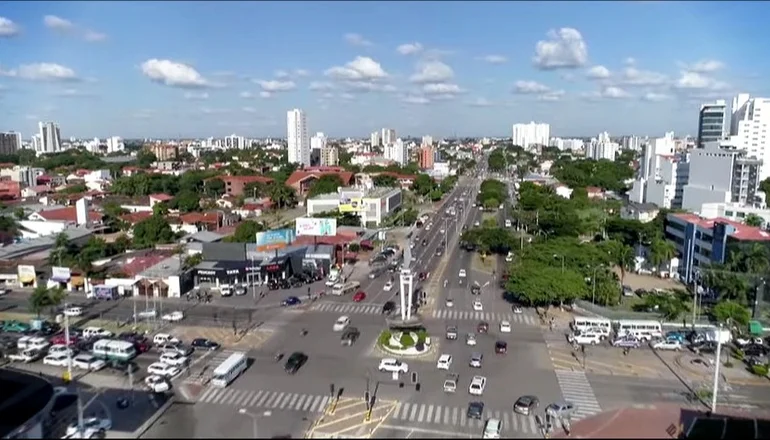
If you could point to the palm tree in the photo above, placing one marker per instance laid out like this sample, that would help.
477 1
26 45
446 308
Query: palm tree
282 195
661 251
61 248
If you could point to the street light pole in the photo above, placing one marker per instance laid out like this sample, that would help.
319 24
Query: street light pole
716 370
695 279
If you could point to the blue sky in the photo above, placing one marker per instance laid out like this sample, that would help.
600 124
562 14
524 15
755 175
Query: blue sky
177 69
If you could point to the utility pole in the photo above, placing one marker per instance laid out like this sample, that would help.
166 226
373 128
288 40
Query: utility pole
716 370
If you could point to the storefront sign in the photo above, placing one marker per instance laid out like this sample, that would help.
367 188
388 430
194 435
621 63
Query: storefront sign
273 267
207 272
26 274
233 272
60 274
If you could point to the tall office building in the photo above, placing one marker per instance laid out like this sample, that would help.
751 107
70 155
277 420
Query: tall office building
426 158
318 141
397 151
297 140
749 129
375 140
712 122
388 136
50 137
10 142
531 135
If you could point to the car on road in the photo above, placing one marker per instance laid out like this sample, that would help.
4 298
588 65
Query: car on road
450 302
56 360
475 361
470 339
475 289
359 296
165 370
388 286
451 332
626 342
584 338
175 359
94 332
478 306
516 310
492 428
73 311
165 338
450 382
157 384
389 365
505 326
291 301
526 405
350 336
295 362
205 343
61 348
561 410
174 316
476 223
88 362
501 347
478 383
483 327
341 324
388 307
475 410
462 273
92 427
668 344
444 362
62 339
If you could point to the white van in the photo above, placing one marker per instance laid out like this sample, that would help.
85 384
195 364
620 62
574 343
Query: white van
508 223
229 370
344 289
584 323
644 330
585 338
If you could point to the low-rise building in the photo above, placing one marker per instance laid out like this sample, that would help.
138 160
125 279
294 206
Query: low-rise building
372 205
234 185
641 212
302 180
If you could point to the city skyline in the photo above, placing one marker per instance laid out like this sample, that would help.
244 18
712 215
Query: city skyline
89 68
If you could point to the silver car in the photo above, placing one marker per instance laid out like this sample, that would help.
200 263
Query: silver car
476 360
562 410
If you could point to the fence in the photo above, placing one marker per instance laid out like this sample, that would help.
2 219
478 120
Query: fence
616 315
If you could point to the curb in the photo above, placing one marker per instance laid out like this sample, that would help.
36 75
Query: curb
138 433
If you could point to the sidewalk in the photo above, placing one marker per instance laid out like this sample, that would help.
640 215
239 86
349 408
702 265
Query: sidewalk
735 375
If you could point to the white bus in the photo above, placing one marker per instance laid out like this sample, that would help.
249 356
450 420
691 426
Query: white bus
601 326
645 330
344 289
229 370
113 349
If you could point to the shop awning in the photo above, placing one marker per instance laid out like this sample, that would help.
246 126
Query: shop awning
755 328
27 279
78 281
60 279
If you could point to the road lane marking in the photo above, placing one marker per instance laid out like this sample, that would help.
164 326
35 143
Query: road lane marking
242 398
286 400
301 400
308 402
454 416
254 398
422 413
463 419
506 420
220 395
437 417
324 402
233 396
532 425
413 414
406 411
263 399
204 397
270 399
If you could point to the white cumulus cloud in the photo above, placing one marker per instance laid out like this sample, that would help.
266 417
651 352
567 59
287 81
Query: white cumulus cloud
360 69
442 89
705 66
321 86
432 72
613 92
173 74
63 25
58 23
494 59
642 78
409 48
480 102
8 28
552 95
357 40
273 86
564 48
655 97
530 87
598 72
414 99
265 94
698 81
42 72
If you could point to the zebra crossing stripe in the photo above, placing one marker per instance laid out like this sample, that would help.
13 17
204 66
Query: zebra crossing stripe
270 399
220 395
437 417
254 398
422 413
242 398
205 394
413 414
263 399
299 401
285 401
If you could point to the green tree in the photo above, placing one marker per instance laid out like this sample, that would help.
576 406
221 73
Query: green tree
122 243
152 231
145 159
283 196
669 306
423 184
491 203
20 214
661 251
186 201
214 187
326 184
731 313
61 251
160 209
246 232
112 213
754 220
193 260
385 180
537 284
255 189
39 300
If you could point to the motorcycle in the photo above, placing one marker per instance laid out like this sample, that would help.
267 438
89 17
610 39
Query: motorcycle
278 357
303 332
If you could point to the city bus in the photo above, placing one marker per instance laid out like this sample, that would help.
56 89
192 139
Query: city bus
645 330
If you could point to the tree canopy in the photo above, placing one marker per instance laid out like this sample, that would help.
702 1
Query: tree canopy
326 184
151 231
605 174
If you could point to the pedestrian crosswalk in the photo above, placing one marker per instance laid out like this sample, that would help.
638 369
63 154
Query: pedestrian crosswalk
466 315
424 413
353 309
210 360
576 389
275 400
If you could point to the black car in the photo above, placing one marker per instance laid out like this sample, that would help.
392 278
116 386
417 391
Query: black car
205 343
425 242
295 362
350 335
439 251
475 410
388 307
475 289
501 347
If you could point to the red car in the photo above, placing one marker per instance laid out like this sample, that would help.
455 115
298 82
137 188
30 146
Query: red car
60 339
359 296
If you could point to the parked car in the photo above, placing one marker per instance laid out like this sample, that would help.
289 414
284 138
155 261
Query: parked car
626 342
88 362
526 405
165 370
667 344
157 384
205 344
56 360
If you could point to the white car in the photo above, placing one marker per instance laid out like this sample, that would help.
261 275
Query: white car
450 302
91 425
56 360
390 365
88 362
462 273
517 310
73 311
61 349
173 316
92 332
509 257
477 306
341 323
165 370
444 362
505 327
478 383
470 339
157 384
670 344
174 359
476 223
146 314
388 286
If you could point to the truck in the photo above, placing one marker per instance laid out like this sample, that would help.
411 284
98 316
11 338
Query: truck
450 382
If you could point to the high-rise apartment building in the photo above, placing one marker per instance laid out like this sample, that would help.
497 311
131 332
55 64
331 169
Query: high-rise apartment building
426 157
375 140
712 122
50 137
115 144
234 142
601 148
329 156
397 152
318 141
297 140
749 129
10 142
427 141
388 136
531 135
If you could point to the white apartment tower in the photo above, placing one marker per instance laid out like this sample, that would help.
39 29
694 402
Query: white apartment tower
318 141
388 136
602 148
329 156
662 175
10 142
397 152
375 140
297 140
50 137
749 129
531 135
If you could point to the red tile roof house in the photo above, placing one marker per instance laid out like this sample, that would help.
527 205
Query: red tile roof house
594 192
302 180
68 214
159 198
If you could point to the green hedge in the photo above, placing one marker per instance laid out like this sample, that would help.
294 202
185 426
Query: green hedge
384 339
407 340
759 370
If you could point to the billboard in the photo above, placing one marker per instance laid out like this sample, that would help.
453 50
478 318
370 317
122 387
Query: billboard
26 273
60 274
352 201
276 239
316 227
